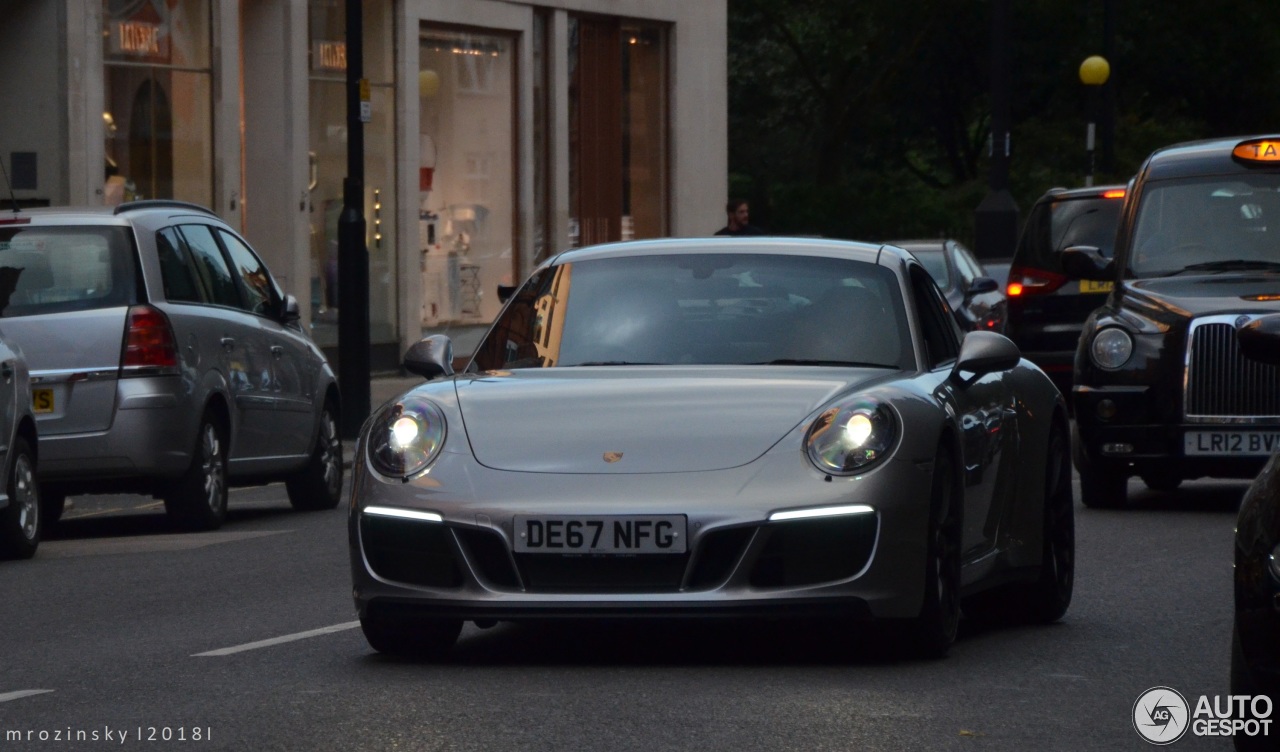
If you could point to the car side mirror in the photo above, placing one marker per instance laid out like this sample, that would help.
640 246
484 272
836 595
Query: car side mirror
982 285
1260 339
1087 262
292 314
505 292
984 352
431 357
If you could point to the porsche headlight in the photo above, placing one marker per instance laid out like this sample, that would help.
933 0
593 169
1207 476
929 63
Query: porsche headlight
850 438
1112 347
405 437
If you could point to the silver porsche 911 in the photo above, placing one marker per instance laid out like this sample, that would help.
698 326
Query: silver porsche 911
715 427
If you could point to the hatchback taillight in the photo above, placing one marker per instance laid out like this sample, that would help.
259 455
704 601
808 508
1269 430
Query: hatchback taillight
148 340
1024 280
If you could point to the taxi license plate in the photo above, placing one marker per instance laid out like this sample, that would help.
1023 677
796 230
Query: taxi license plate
1095 286
1232 443
42 400
604 534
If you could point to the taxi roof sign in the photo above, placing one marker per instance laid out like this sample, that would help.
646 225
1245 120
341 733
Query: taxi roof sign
1258 150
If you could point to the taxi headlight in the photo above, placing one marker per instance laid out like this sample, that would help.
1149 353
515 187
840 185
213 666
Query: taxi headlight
850 438
1111 348
405 437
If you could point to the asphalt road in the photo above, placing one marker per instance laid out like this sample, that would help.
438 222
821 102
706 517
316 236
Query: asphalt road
121 626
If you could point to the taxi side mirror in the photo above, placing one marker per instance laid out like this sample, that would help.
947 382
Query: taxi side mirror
1087 262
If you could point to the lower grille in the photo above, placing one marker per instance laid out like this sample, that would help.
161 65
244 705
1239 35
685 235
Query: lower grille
641 573
413 552
1221 381
808 552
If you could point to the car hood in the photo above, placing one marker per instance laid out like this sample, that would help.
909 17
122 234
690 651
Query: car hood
626 419
1185 297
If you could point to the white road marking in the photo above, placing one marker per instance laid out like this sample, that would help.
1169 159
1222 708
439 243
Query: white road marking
7 696
278 640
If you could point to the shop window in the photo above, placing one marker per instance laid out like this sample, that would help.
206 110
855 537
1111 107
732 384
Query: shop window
466 201
158 92
618 130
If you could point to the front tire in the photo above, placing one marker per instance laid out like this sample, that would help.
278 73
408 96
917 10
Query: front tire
1049 598
198 500
20 526
934 631
417 639
1243 682
318 485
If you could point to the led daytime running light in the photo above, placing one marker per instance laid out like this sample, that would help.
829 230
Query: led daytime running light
805 514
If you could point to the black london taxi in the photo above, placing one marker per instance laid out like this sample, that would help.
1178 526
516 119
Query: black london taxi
1161 390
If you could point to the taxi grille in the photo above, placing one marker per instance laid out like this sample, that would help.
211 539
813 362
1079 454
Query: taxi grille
1221 381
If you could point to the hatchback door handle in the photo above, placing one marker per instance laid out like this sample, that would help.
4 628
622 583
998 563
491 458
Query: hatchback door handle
228 342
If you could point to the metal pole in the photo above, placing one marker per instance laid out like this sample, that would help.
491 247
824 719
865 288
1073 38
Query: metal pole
996 219
353 255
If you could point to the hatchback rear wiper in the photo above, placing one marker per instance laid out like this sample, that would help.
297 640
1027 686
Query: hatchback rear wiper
1231 265
813 362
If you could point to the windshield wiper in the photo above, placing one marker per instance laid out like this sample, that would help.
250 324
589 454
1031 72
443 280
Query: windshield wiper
616 363
812 362
1231 265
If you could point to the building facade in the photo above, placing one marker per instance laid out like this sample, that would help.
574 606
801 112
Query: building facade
497 133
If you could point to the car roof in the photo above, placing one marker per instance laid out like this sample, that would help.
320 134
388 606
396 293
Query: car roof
794 246
935 245
1204 157
117 215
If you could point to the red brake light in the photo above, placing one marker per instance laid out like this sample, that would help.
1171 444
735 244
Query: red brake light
1024 280
148 340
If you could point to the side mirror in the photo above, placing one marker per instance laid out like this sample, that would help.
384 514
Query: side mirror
505 292
292 315
982 285
431 357
984 352
1260 339
1087 262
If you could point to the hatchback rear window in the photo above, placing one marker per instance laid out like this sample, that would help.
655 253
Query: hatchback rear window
1057 225
55 269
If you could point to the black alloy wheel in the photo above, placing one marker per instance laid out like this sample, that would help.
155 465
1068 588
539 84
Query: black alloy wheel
934 631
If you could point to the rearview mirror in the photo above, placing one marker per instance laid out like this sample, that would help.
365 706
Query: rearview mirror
982 285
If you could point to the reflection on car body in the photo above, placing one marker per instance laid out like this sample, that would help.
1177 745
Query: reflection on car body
729 426
974 295
1161 388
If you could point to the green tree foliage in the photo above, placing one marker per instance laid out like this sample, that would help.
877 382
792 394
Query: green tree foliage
869 119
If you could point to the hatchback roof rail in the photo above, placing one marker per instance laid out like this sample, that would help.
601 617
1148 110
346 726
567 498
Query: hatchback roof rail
161 203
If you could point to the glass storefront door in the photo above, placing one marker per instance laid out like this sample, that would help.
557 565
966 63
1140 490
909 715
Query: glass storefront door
466 199
158 89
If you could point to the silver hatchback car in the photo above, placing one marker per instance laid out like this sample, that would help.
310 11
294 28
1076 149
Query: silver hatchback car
164 360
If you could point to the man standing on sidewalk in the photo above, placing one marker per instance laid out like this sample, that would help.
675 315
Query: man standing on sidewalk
739 219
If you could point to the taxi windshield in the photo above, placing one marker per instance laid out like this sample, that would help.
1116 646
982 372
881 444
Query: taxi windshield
1219 224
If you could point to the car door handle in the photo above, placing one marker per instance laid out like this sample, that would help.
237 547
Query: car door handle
277 351
6 370
228 343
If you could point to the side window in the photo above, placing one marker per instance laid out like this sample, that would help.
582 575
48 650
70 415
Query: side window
181 284
937 325
256 285
210 265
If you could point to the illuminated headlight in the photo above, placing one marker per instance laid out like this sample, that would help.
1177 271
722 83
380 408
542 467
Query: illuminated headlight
850 438
405 437
1112 348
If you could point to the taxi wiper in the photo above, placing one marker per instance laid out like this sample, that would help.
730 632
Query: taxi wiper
1231 265
814 362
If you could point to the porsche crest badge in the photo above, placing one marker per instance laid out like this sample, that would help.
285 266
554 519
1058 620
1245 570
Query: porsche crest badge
612 457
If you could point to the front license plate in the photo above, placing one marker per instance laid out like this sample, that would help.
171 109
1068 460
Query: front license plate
604 534
1093 285
1232 443
42 400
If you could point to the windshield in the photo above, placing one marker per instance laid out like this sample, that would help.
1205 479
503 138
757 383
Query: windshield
692 309
1207 225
